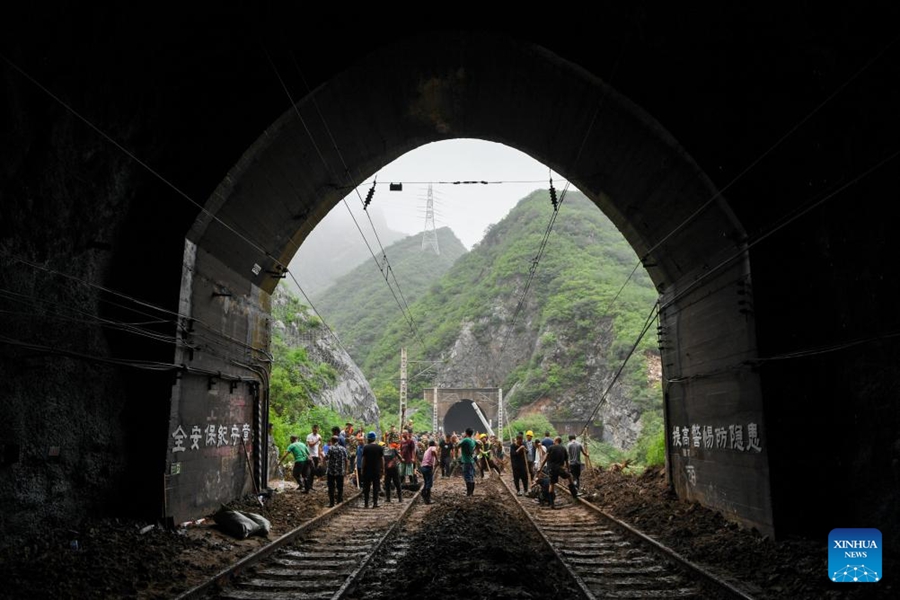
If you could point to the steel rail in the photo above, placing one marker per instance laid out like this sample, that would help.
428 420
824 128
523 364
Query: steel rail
225 575
663 549
221 580
351 579
586 592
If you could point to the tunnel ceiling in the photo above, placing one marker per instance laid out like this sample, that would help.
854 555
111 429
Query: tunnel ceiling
485 86
726 84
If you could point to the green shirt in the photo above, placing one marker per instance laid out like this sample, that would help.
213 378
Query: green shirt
467 450
300 451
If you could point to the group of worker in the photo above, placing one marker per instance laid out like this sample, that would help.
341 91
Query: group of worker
317 457
399 456
545 462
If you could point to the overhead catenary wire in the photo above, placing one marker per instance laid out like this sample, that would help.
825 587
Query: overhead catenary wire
178 191
159 176
390 271
147 365
535 262
792 355
558 203
385 267
259 248
179 322
791 131
784 222
654 312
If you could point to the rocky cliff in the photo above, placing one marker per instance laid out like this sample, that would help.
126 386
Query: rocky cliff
555 349
348 392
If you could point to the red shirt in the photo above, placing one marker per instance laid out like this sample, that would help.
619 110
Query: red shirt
408 450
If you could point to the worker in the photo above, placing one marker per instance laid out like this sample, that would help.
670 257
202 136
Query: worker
518 459
392 470
302 467
556 459
467 460
372 466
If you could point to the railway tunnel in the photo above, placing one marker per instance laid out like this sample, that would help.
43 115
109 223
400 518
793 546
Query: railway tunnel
188 195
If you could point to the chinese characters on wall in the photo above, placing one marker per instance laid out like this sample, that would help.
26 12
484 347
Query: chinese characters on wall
211 436
732 437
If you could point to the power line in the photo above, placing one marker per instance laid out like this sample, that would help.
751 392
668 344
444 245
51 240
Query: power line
654 312
784 222
146 365
767 152
390 271
796 354
458 182
385 269
182 194
533 270
133 157
178 323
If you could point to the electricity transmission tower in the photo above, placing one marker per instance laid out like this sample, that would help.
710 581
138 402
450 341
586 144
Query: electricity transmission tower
429 234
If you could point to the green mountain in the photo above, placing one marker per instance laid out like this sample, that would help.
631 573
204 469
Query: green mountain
359 304
559 353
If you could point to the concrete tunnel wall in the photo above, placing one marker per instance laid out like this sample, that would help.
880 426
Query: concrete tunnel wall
493 88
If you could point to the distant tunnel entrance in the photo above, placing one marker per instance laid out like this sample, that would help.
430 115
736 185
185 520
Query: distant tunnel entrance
460 416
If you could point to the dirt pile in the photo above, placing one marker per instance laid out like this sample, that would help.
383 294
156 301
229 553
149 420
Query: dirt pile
478 547
791 568
110 558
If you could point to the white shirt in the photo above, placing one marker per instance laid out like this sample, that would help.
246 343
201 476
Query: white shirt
314 438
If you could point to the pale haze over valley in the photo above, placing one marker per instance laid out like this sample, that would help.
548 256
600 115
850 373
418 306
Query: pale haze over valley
468 209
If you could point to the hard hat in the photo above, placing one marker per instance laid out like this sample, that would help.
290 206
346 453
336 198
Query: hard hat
381 443
529 432
483 435
372 435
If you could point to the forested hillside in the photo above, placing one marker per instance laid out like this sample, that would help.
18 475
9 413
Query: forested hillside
360 304
559 353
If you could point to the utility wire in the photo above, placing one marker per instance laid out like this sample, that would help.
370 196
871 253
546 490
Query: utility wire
133 157
654 312
404 308
385 268
147 365
767 152
142 303
557 205
531 273
784 223
744 172
814 351
457 182
181 193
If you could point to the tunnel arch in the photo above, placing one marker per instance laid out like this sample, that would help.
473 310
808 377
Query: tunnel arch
460 416
495 88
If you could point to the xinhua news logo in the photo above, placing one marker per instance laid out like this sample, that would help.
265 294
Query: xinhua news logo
854 555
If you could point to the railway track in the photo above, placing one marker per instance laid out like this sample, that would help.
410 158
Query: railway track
604 557
312 562
609 559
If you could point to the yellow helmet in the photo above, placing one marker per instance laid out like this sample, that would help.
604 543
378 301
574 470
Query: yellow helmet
483 435
529 432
